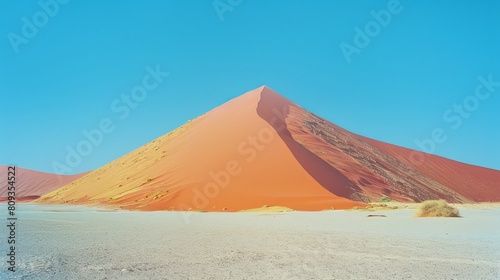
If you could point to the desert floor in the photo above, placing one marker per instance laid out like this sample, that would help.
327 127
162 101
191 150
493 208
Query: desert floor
67 242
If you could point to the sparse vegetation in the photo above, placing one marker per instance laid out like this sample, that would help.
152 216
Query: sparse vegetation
385 199
436 208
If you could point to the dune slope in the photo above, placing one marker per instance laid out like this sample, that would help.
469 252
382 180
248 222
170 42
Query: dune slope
31 184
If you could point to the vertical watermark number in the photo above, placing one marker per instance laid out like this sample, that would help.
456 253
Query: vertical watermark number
11 218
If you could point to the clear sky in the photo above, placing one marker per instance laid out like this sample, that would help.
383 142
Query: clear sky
389 70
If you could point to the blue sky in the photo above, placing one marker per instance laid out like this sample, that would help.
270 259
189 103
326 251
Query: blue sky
62 76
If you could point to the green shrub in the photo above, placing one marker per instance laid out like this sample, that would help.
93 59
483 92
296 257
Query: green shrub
436 208
385 199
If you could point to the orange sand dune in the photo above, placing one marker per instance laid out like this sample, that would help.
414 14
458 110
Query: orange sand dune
32 184
262 149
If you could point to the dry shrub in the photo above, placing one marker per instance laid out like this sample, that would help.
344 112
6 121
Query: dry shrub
436 208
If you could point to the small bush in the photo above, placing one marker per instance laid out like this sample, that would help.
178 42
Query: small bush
386 199
436 208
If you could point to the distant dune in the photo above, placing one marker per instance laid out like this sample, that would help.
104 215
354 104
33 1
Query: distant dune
262 149
31 184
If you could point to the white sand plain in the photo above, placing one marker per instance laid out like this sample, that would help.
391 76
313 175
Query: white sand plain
67 242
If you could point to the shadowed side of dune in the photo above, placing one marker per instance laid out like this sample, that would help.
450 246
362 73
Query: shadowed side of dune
327 176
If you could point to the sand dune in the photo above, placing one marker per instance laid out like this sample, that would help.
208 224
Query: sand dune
262 149
32 184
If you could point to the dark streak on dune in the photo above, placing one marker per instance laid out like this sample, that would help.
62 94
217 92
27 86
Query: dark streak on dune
329 177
